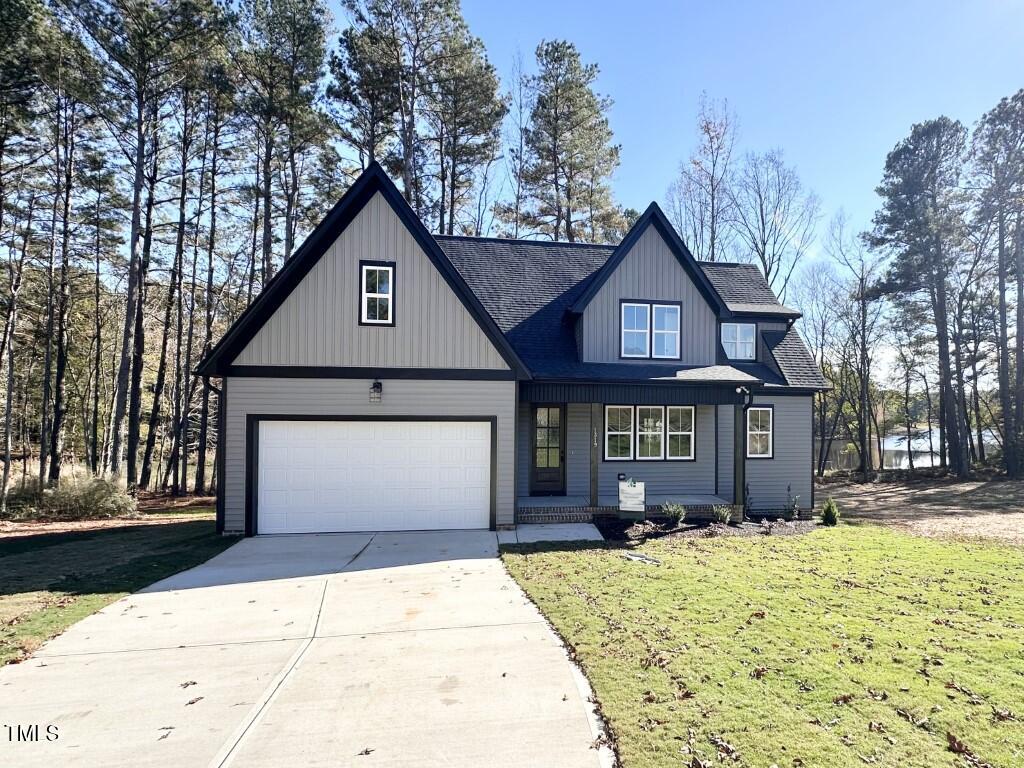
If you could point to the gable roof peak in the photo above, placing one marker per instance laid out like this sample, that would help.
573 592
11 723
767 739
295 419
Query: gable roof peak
653 216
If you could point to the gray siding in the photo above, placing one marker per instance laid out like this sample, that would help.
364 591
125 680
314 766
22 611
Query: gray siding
791 466
333 397
651 272
577 454
669 477
577 449
317 325
726 451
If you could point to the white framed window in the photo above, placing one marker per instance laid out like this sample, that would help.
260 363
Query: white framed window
665 337
618 432
376 293
650 432
738 340
759 432
679 442
636 330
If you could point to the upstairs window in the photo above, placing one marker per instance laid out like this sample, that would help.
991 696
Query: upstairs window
738 340
666 331
377 293
759 432
650 330
636 330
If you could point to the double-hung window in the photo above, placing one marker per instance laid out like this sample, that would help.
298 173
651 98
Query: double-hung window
679 432
636 330
376 293
618 432
738 340
650 426
665 341
759 432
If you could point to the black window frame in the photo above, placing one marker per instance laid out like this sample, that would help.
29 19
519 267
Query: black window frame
361 290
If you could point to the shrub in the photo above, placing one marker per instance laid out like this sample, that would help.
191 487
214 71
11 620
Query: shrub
722 513
792 509
830 512
88 500
675 513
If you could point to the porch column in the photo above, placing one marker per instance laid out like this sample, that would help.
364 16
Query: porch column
739 460
596 427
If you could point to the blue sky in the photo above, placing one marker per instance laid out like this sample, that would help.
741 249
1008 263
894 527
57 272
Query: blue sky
835 85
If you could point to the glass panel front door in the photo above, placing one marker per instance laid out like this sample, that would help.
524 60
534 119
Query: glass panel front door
548 470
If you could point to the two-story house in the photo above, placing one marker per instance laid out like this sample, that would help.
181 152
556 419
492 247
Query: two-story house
388 379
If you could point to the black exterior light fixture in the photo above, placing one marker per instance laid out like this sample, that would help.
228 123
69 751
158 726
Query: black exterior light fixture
376 392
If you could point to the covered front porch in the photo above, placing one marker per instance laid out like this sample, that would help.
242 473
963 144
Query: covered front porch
569 464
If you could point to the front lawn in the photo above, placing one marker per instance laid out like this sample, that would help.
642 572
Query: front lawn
50 581
850 646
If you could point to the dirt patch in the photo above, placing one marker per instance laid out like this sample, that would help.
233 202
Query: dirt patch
990 509
10 529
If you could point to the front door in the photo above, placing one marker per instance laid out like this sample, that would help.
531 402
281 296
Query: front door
547 475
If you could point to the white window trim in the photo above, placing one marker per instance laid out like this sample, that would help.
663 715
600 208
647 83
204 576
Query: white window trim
608 433
737 343
364 294
692 433
677 332
660 433
622 329
770 433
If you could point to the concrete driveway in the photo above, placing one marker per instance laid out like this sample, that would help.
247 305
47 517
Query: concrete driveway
330 650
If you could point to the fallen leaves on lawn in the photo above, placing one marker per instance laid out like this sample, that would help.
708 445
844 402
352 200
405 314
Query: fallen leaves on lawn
958 747
845 698
755 615
1002 715
972 697
758 672
193 701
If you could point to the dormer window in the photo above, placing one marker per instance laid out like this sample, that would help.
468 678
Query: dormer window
377 293
738 340
636 330
650 330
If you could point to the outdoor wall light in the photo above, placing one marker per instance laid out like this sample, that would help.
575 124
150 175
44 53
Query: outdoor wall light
376 392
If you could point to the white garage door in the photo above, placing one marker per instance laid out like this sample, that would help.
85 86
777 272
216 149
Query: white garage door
329 476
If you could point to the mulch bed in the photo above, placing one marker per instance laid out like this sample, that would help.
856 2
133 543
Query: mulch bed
635 532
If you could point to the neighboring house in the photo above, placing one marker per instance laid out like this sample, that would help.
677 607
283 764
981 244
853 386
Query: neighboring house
387 379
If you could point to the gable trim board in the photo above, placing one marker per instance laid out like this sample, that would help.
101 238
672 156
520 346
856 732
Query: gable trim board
653 216
371 182
363 372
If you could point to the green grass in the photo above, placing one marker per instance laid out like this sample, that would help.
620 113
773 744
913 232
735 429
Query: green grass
849 646
50 581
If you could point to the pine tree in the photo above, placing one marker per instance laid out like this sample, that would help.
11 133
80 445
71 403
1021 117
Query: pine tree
571 157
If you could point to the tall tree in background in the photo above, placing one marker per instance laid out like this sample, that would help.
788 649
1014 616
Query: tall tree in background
464 113
774 216
998 163
921 223
364 93
700 198
571 155
520 101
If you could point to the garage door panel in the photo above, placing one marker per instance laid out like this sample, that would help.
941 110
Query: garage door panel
319 476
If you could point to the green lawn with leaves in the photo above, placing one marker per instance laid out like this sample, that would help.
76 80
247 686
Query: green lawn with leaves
849 646
50 581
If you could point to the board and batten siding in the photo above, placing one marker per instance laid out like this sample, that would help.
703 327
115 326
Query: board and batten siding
668 478
350 397
792 463
649 272
318 324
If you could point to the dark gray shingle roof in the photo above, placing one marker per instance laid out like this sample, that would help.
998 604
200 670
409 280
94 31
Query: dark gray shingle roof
743 288
528 286
794 359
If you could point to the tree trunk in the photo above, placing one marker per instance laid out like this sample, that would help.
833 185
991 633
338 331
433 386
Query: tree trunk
98 340
268 259
139 336
204 410
950 409
120 405
1018 420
